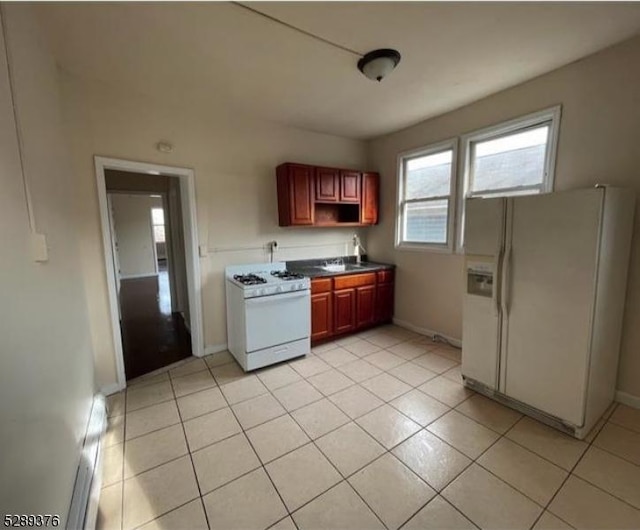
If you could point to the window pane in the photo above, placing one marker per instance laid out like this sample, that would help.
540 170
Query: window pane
510 161
157 214
428 176
158 233
426 222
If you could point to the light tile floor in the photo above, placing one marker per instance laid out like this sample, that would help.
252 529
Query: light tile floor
373 431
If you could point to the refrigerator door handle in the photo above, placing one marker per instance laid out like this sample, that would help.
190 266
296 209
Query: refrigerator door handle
496 283
506 288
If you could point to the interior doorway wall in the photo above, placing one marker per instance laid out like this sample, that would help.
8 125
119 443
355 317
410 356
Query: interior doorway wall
184 198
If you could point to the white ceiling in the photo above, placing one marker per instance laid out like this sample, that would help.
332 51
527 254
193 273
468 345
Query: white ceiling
218 55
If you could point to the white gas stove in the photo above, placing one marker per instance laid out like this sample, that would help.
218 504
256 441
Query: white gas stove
268 314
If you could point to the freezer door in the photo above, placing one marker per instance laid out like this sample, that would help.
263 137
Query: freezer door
481 323
547 300
483 226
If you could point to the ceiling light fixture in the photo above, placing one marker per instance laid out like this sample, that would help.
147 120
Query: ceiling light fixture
376 65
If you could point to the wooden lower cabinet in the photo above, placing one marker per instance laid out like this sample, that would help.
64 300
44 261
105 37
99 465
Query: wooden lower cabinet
344 303
349 303
365 306
384 303
321 316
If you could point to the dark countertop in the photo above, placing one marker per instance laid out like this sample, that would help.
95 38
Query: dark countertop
313 268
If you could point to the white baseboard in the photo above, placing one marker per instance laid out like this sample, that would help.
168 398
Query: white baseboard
134 276
113 388
215 348
628 399
83 512
425 331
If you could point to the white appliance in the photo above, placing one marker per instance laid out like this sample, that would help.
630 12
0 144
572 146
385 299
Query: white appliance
268 314
544 297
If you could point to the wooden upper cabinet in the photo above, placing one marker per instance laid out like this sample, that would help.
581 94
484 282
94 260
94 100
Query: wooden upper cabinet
327 184
370 194
295 194
323 196
349 186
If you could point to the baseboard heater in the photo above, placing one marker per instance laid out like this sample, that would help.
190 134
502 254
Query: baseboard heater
86 491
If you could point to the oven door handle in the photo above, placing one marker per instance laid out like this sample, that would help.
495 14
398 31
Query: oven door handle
276 297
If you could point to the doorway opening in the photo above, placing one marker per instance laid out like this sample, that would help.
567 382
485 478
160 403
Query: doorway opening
148 218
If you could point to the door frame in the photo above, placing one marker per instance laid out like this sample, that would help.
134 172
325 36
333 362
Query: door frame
189 220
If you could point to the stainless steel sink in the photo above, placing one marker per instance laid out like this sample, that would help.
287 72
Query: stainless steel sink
342 267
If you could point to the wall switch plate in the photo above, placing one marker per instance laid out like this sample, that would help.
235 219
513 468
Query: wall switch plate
39 251
203 251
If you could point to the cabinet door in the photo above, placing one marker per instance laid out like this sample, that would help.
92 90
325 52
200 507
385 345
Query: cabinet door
321 316
295 194
349 186
369 210
327 185
384 302
344 306
301 194
365 306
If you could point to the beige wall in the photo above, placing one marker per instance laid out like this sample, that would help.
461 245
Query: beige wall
132 223
46 364
598 143
234 161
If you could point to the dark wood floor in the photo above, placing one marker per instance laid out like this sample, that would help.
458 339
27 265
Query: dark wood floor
152 336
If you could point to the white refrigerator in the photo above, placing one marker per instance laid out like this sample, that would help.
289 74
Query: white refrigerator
545 283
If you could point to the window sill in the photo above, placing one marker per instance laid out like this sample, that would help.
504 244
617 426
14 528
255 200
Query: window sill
424 247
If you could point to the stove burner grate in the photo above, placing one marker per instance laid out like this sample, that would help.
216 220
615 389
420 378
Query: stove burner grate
287 275
249 279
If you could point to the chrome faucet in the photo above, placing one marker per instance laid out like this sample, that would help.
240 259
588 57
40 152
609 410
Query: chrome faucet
358 249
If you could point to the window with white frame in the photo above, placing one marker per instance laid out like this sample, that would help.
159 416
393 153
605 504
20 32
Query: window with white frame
157 218
513 158
426 184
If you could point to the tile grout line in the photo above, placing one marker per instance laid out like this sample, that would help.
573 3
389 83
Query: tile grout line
336 470
611 453
269 391
193 467
330 462
386 451
354 420
262 466
351 420
124 440
566 479
597 486
175 398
